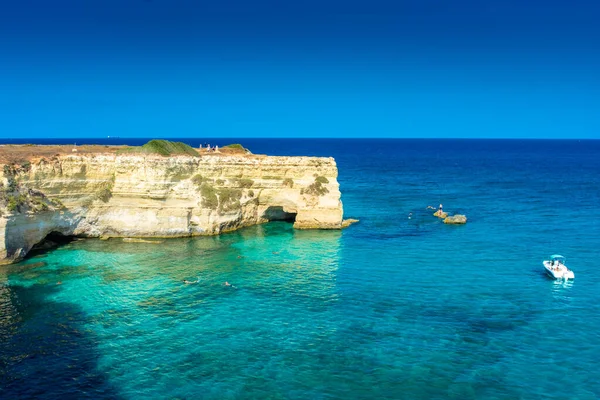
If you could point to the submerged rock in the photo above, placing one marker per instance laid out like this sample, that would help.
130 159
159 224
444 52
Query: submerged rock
138 240
457 219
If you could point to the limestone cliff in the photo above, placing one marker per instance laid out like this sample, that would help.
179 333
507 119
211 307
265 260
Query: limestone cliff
138 195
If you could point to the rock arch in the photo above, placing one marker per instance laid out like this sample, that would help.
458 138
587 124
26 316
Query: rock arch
278 213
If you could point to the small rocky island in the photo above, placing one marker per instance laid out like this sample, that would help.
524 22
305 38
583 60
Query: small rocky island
457 219
161 189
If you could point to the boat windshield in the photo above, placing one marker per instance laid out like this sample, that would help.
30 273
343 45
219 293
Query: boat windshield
557 257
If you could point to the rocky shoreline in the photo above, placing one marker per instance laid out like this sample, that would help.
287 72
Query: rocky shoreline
134 194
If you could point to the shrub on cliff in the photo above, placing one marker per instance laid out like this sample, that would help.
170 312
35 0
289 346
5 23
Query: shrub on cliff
105 190
17 203
209 196
197 179
11 184
23 199
104 194
229 199
12 204
316 188
244 183
167 148
321 180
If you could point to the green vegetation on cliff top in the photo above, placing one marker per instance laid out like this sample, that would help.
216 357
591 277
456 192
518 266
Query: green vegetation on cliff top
163 147
167 148
235 148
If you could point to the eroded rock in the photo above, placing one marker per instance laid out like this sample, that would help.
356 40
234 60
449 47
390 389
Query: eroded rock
457 219
347 222
145 196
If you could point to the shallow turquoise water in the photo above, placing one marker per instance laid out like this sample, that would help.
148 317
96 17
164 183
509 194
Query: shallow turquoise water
390 308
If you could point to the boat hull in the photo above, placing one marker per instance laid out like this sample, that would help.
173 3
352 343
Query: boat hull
558 272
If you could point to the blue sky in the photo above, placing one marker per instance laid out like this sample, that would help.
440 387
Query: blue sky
177 68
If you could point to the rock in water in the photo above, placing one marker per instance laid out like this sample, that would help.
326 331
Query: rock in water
440 214
138 240
347 222
456 219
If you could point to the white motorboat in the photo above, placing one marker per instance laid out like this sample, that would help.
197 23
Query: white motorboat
556 268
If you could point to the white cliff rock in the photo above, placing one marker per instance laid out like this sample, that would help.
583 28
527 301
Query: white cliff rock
111 195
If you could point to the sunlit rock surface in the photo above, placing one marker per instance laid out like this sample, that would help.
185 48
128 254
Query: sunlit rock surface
112 195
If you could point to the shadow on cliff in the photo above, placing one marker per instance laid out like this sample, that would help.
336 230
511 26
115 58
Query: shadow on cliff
52 241
276 213
52 229
45 350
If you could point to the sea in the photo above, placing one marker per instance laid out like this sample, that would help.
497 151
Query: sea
397 306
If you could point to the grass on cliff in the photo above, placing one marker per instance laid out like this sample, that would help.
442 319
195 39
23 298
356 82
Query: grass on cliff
235 148
163 147
167 148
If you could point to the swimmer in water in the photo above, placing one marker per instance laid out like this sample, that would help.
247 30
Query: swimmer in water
409 215
190 282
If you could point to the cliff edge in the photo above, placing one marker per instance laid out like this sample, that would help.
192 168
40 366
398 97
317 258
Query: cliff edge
123 194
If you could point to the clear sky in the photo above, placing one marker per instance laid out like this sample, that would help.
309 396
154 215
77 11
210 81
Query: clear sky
311 68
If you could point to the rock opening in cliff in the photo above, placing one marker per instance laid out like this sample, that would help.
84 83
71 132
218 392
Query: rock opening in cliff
276 213
52 240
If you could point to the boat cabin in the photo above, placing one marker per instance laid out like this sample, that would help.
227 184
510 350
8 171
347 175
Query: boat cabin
557 259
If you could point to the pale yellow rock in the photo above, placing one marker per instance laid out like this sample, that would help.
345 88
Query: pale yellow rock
347 222
440 214
142 196
457 219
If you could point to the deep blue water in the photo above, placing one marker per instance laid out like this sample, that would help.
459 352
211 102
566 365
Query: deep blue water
389 308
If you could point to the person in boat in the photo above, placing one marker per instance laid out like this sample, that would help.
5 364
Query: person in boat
441 209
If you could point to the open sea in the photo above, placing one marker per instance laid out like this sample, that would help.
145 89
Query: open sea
390 308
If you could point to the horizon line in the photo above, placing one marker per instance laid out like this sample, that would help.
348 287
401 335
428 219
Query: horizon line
292 138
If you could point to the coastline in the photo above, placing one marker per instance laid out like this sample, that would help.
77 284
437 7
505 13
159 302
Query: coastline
107 192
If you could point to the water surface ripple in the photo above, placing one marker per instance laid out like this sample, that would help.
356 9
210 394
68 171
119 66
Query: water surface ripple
392 307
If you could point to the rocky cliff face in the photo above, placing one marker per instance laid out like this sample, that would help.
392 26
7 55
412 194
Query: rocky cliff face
152 196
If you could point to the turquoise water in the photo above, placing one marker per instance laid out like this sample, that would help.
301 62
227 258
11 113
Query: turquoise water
390 308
